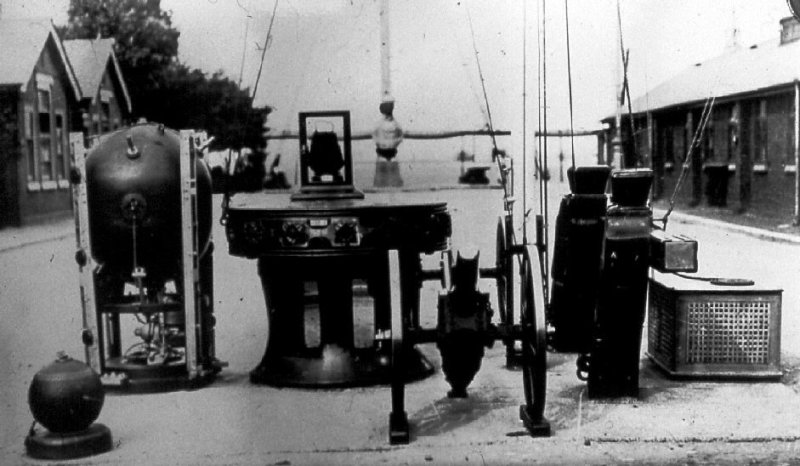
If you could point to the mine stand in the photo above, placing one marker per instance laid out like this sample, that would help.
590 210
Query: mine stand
170 297
313 245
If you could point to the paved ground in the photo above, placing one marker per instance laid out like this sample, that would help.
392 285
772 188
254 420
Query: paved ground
235 422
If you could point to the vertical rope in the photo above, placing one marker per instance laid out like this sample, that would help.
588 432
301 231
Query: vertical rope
540 108
625 89
524 122
264 51
569 85
544 179
704 117
483 82
244 50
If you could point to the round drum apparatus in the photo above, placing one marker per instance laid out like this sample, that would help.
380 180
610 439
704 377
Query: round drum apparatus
323 266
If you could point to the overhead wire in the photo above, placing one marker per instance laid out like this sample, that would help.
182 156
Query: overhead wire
626 92
524 123
227 194
264 51
540 107
569 85
480 74
497 154
544 170
696 138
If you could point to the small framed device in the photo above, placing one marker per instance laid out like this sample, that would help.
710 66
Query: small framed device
326 161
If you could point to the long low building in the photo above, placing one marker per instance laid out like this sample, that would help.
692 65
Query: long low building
745 157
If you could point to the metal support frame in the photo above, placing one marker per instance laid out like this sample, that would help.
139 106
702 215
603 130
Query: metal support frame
796 150
189 244
465 319
83 255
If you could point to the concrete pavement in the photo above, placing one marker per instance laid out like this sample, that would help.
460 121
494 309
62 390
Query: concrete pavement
16 237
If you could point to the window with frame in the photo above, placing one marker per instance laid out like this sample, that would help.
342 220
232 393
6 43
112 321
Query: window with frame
61 160
105 116
45 156
709 142
679 144
669 147
760 140
30 146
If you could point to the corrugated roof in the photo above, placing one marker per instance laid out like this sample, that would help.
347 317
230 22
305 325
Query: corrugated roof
89 58
750 69
21 44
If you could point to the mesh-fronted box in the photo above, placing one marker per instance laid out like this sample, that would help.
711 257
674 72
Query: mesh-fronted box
696 329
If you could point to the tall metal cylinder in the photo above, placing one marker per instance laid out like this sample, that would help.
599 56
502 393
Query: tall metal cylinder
617 336
577 258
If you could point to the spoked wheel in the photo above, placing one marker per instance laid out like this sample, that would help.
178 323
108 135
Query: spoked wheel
504 265
534 347
399 431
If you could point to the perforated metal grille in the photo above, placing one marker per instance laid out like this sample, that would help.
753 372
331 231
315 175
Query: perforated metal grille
661 326
728 332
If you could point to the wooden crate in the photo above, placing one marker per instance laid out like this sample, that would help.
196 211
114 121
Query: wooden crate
696 329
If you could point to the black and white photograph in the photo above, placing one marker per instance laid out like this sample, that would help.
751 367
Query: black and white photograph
400 232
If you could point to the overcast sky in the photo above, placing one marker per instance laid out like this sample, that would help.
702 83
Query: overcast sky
325 53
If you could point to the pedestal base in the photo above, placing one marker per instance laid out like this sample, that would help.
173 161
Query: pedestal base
141 378
53 446
387 174
337 367
537 427
399 429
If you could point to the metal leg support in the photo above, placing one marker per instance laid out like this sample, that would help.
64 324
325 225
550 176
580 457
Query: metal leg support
399 430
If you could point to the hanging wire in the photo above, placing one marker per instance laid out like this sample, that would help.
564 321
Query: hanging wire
497 154
244 49
226 197
626 92
524 123
696 138
483 82
569 85
545 178
540 108
264 51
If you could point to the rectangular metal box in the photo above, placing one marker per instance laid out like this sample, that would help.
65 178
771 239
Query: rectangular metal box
672 253
696 329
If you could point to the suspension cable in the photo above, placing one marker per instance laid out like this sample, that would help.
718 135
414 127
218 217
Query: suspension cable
496 152
626 92
483 82
545 162
541 141
264 51
569 85
524 123
226 196
704 117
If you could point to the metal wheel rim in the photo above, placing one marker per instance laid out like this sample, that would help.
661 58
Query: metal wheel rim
534 335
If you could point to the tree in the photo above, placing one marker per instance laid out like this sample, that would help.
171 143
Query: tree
146 42
165 90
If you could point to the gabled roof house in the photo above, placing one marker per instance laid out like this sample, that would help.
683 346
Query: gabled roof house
106 103
39 94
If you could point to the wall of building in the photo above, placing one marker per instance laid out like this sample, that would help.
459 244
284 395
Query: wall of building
104 108
9 155
764 125
44 190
